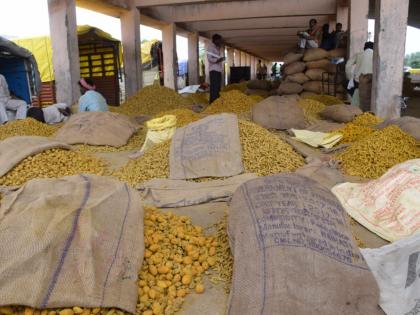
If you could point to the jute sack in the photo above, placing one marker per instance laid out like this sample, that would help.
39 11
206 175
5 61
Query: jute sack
259 85
75 240
341 113
290 88
315 74
410 125
314 54
279 112
306 94
275 84
292 57
313 86
294 253
297 78
295 67
319 64
365 92
15 149
170 193
338 52
263 93
209 147
98 128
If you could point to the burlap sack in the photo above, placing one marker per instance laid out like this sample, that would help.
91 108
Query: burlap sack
75 240
322 171
292 57
279 112
297 78
98 128
338 53
331 68
314 54
15 149
340 113
209 147
295 67
365 92
410 125
275 84
306 94
259 85
315 74
294 253
289 88
319 88
313 86
319 64
263 93
169 193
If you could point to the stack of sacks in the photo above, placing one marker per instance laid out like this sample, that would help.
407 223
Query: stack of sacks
304 73
293 72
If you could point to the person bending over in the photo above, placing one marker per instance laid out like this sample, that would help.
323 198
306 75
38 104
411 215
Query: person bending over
90 101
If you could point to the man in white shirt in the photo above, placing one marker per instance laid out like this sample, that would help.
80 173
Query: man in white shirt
215 60
359 65
52 114
18 107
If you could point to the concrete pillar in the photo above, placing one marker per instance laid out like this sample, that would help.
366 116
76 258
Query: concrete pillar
253 67
193 67
237 59
65 47
358 26
342 16
243 59
169 56
230 61
388 60
130 37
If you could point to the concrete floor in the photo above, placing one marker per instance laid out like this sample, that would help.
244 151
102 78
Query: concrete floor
214 299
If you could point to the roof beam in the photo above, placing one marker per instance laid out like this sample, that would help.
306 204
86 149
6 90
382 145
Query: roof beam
155 3
109 7
243 9
261 22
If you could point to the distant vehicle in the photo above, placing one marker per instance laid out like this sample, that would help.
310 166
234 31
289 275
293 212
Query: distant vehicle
407 69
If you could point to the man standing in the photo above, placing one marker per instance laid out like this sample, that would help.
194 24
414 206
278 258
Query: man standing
215 66
7 103
338 36
259 70
359 68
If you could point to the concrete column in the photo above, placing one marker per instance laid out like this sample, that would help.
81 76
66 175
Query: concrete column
230 61
130 35
65 47
253 68
243 59
237 59
342 16
358 26
169 56
193 67
388 60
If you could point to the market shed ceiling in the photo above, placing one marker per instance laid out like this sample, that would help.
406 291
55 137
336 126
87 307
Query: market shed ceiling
266 28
